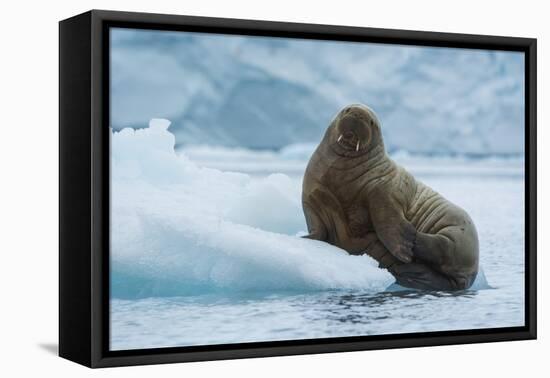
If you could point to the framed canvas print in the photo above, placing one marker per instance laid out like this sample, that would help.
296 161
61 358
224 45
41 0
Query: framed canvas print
234 188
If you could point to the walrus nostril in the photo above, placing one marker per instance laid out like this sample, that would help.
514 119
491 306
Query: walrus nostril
349 135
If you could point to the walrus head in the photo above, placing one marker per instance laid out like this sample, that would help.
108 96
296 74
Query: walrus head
354 131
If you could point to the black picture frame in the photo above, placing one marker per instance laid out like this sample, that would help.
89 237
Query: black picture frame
84 188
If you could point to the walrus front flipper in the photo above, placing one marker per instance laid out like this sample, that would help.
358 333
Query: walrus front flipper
420 276
316 228
325 217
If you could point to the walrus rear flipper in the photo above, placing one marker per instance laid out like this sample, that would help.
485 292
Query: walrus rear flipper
420 276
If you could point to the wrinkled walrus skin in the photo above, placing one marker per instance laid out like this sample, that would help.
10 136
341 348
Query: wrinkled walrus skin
355 197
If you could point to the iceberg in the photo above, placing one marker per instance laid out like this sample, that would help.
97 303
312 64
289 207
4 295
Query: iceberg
181 229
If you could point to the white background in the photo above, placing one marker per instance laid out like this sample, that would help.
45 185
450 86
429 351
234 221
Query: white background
29 186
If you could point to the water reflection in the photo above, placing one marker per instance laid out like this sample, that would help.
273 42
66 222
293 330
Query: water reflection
367 308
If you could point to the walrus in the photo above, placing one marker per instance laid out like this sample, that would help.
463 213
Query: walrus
354 196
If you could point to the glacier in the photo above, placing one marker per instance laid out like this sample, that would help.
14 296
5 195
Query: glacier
267 93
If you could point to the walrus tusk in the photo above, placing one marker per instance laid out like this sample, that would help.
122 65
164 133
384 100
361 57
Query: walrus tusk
357 147
339 138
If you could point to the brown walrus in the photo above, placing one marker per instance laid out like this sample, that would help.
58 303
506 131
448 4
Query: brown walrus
355 197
